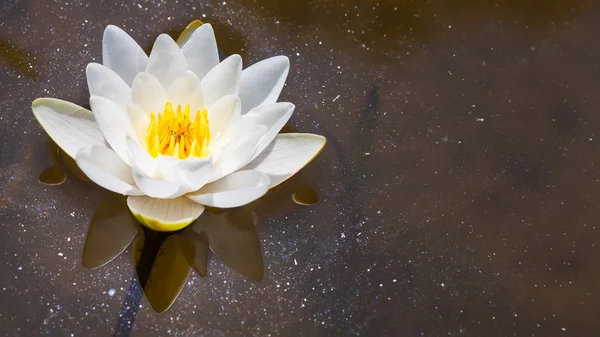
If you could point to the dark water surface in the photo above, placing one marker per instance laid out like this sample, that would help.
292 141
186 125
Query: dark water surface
458 193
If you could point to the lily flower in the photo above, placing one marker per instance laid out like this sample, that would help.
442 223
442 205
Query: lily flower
178 130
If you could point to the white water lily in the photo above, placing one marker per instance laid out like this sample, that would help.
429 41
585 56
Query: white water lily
178 130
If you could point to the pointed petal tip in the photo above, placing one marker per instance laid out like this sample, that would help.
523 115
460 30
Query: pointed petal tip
91 66
38 101
290 106
164 38
111 27
283 59
113 30
235 59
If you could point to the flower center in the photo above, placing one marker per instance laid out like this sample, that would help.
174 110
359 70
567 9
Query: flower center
175 134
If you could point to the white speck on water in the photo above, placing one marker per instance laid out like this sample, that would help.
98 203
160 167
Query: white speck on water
336 98
111 292
343 235
68 239
442 284
564 329
394 280
295 262
479 119
367 153
60 254
20 268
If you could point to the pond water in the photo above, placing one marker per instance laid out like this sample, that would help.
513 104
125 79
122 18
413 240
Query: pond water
457 193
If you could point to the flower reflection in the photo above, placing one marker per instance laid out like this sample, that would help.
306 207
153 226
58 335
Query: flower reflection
62 166
164 260
305 195
55 174
111 231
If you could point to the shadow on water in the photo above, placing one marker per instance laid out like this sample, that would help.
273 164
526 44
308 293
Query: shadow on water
62 167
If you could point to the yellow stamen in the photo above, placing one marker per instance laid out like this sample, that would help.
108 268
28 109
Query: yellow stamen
173 133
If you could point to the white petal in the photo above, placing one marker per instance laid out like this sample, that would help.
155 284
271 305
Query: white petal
186 89
222 80
261 83
157 188
139 120
105 168
114 124
201 50
195 172
70 126
221 115
148 94
286 155
102 81
238 152
234 190
274 116
164 214
122 54
140 159
190 174
166 61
